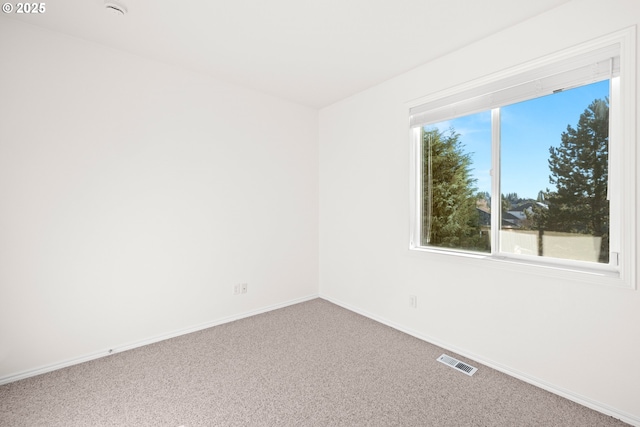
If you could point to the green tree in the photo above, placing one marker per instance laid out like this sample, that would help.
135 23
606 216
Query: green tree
579 170
484 195
538 218
450 217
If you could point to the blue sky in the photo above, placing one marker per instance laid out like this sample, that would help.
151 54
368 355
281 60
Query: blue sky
528 130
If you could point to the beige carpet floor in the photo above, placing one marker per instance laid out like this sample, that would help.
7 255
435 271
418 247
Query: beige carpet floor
311 364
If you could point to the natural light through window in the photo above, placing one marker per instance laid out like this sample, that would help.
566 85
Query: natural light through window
456 197
554 168
526 168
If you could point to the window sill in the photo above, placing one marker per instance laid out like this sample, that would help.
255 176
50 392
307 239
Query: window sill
600 275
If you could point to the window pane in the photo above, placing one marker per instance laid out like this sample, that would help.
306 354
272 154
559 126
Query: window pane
554 175
456 184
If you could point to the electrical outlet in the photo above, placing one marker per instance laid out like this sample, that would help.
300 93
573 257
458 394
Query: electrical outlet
240 288
413 301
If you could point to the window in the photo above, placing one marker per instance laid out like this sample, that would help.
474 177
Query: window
531 166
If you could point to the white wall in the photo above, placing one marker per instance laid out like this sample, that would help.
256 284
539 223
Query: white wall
575 338
134 195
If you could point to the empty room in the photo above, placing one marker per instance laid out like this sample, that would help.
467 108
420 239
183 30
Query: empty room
336 213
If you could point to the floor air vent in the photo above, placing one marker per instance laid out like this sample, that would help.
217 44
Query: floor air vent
456 364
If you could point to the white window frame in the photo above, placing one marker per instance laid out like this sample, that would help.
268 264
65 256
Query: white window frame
622 178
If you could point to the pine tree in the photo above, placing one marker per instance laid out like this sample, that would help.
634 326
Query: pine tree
579 169
450 217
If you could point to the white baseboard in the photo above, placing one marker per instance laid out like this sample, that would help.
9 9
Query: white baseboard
147 341
582 400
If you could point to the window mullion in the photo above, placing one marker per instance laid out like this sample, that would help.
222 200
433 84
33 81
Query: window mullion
496 198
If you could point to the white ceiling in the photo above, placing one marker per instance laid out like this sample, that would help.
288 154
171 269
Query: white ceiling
311 52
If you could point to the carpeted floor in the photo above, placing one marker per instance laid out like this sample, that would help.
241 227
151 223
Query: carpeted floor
311 364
